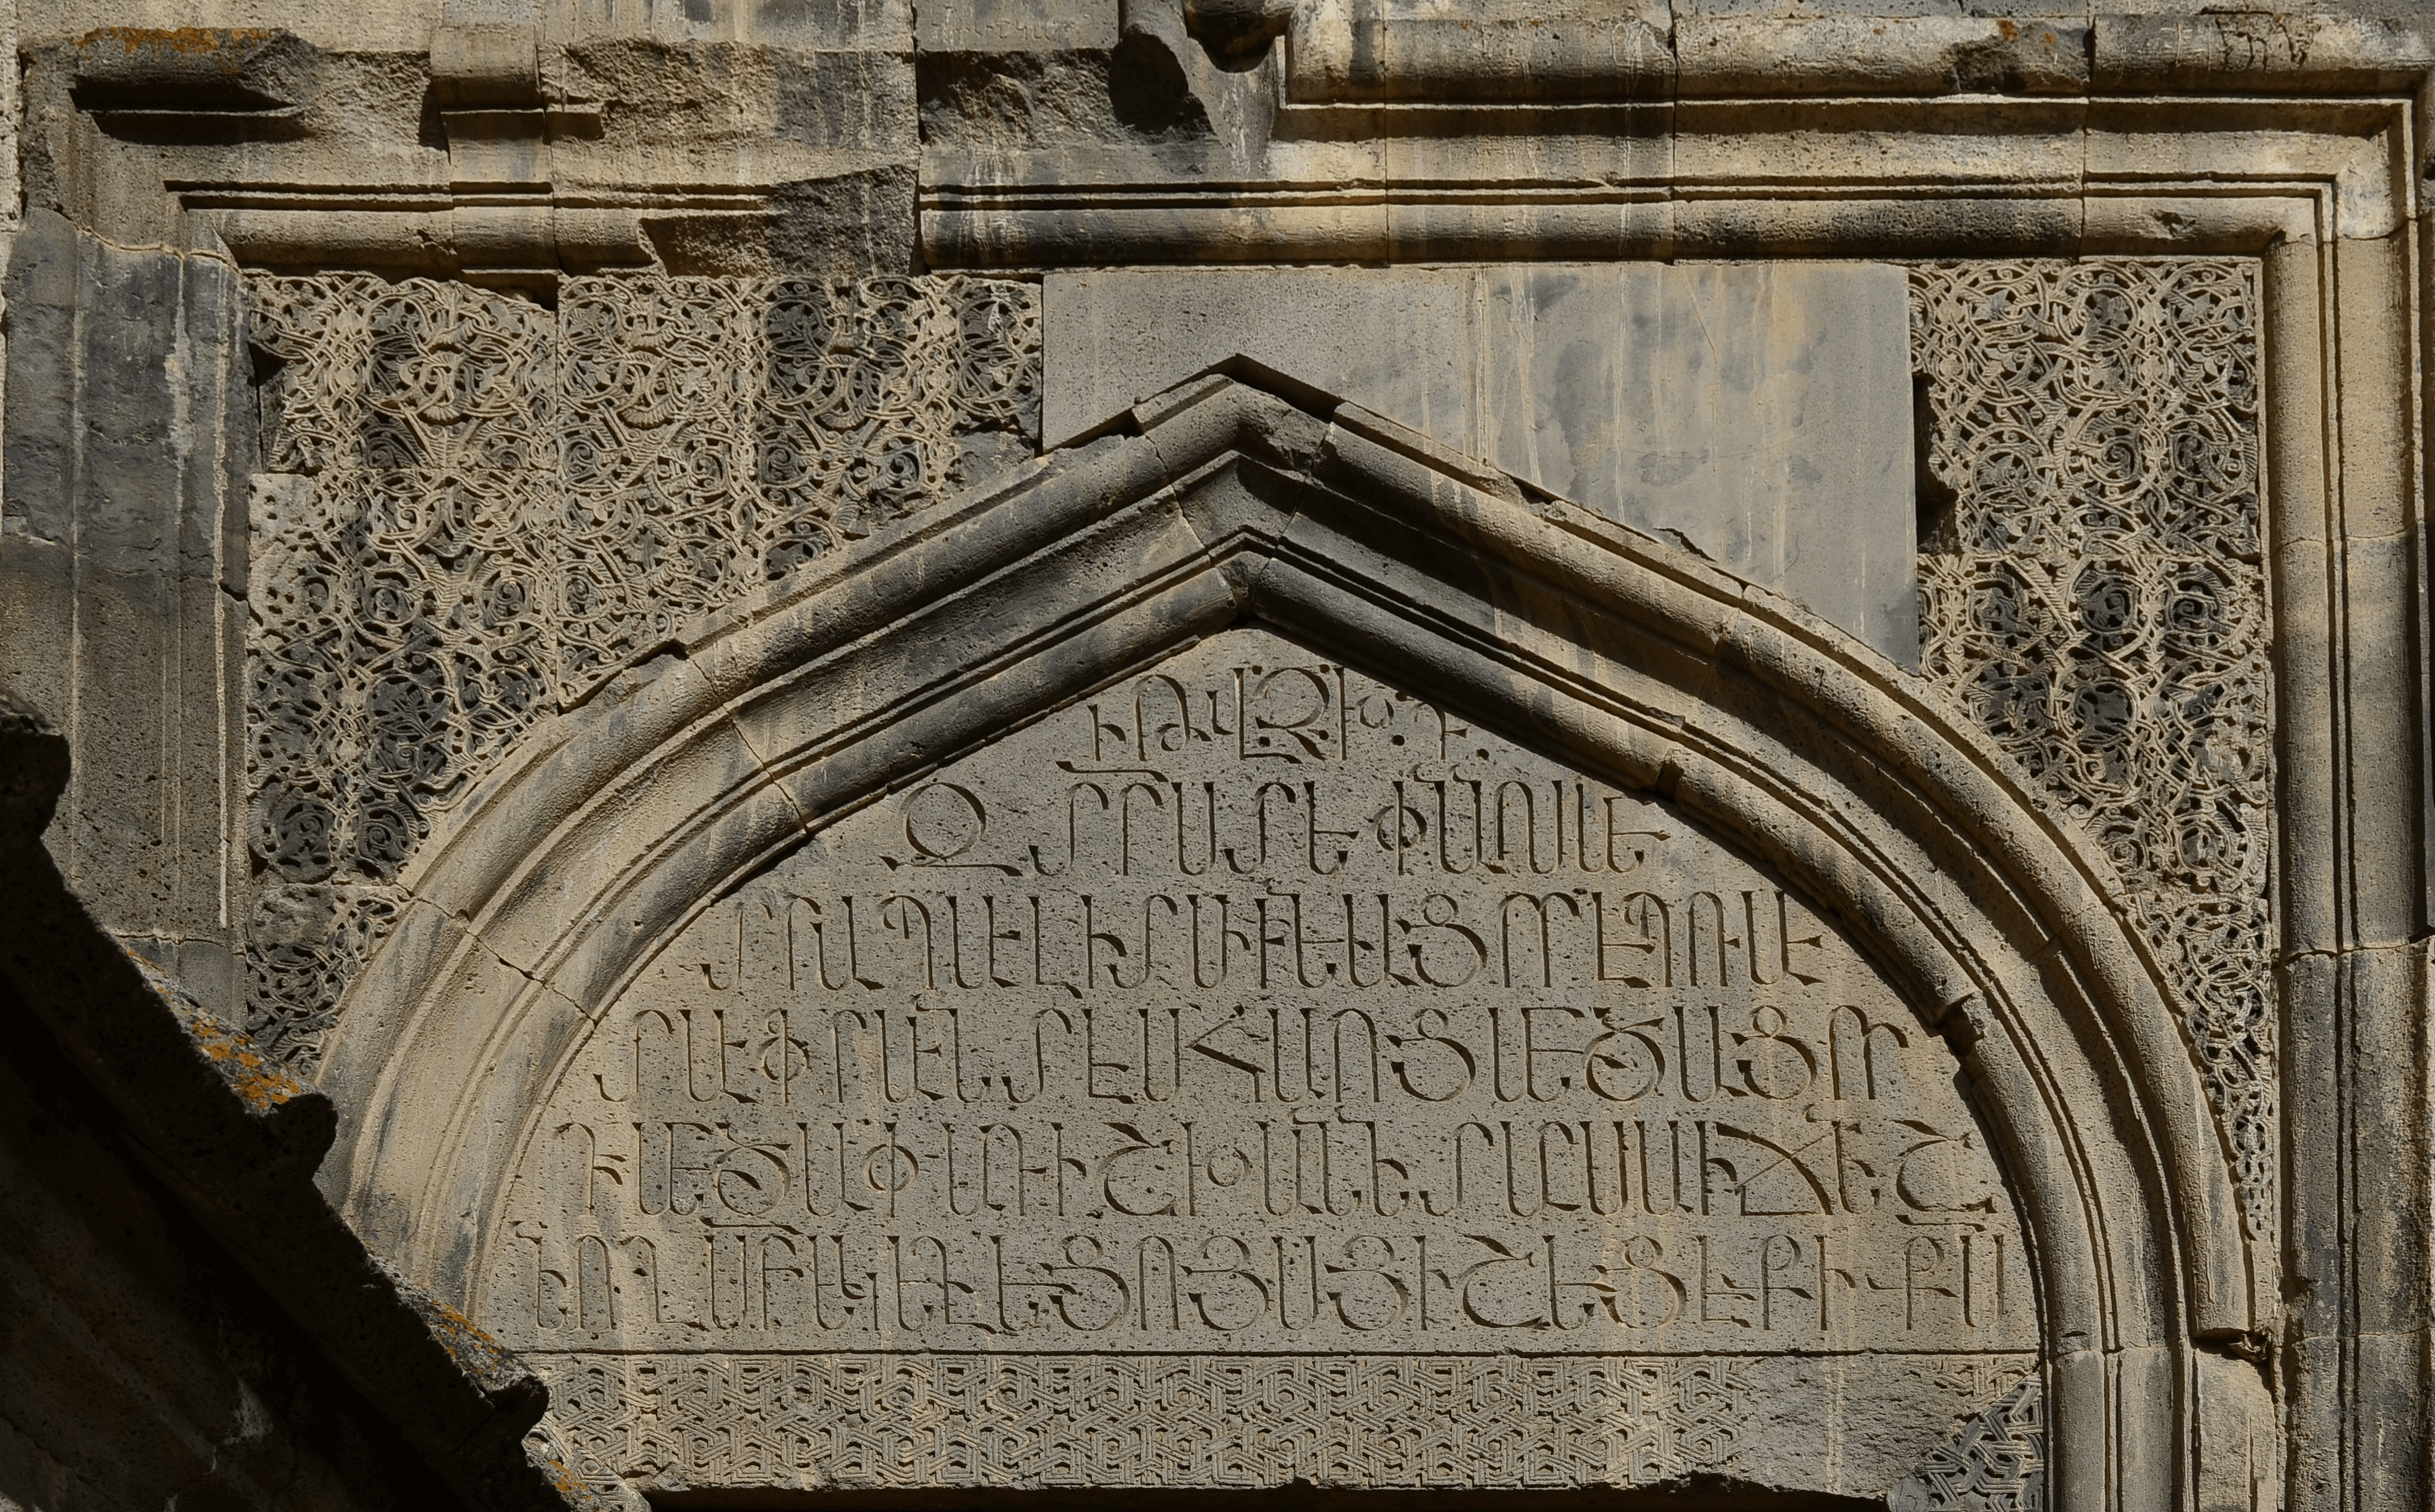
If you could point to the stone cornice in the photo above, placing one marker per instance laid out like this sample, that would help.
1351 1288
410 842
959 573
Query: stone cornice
1729 137
1843 177
1343 55
1374 140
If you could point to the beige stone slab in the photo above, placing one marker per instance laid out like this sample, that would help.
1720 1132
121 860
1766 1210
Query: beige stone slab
1759 414
1260 1025
1014 26
1878 55
874 25
404 27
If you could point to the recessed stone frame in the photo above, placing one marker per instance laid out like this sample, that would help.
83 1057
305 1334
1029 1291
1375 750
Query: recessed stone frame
2322 188
2303 141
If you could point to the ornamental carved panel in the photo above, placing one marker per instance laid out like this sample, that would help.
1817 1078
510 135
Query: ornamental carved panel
2094 593
1352 1091
476 509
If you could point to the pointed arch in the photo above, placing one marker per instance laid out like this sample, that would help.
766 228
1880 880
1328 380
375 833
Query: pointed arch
1225 502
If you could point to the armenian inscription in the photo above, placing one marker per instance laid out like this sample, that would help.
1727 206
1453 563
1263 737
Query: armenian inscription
1253 999
1255 1007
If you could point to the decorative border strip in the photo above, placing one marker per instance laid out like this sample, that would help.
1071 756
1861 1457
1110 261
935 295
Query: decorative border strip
1022 1420
2095 596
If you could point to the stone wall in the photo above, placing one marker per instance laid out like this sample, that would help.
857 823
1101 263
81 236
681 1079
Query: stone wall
1671 747
125 570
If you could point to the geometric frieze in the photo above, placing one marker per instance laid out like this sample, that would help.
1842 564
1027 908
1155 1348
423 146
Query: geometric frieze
1849 1423
476 509
1256 1010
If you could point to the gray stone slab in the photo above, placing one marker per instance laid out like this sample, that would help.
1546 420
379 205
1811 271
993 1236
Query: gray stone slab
1759 414
127 430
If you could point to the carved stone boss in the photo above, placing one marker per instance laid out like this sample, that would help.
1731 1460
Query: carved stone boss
1254 1005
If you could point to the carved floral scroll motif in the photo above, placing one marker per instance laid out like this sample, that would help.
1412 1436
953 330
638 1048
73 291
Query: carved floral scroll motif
476 509
2095 595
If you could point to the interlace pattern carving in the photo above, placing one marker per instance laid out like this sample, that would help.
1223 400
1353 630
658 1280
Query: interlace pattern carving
476 510
303 944
1996 1465
370 376
720 433
1184 1420
2096 598
549 1451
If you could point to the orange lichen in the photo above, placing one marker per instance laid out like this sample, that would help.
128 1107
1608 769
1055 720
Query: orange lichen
474 1350
565 1480
264 1083
187 41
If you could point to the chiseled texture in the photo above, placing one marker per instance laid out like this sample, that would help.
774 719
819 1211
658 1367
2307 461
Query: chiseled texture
593 686
1265 1051
471 510
779 1117
2093 592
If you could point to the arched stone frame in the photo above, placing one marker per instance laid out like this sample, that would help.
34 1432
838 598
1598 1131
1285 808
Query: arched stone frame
605 836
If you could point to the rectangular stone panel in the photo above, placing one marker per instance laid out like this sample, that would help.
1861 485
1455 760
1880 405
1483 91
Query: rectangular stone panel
1758 413
123 575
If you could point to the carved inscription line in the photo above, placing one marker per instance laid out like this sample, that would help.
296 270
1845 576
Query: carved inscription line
1286 1053
770 1278
1256 1004
1276 938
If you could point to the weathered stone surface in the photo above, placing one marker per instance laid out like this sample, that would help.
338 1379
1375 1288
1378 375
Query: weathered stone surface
1259 1017
142 1365
437 576
1012 25
1029 602
2091 589
650 529
123 555
1760 415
